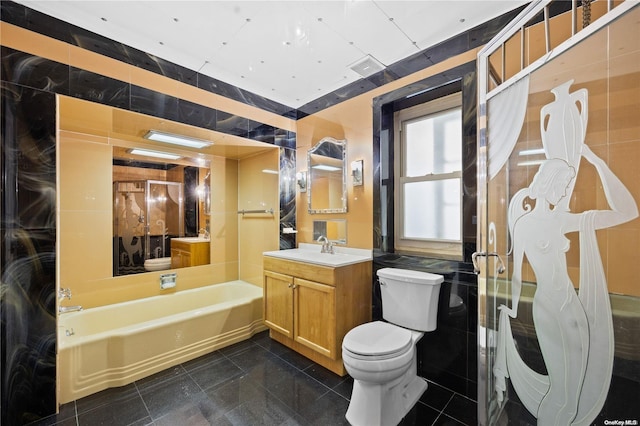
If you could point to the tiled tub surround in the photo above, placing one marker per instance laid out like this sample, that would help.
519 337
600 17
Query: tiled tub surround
114 345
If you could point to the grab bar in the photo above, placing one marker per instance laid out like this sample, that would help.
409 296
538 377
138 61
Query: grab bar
243 212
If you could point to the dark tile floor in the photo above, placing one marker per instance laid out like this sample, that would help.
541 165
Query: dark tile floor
255 382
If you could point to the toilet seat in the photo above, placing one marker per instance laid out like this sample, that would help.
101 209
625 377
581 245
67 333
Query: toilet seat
377 340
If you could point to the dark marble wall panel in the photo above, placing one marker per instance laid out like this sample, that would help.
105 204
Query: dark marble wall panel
191 202
98 88
27 256
287 197
285 138
33 71
196 115
154 103
262 132
232 124
29 158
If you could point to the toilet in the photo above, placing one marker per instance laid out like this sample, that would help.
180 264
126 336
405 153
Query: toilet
381 356
158 264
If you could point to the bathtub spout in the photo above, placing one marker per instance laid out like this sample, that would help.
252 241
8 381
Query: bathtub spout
65 309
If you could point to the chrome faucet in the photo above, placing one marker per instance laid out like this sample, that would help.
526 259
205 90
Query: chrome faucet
327 246
64 293
65 309
205 232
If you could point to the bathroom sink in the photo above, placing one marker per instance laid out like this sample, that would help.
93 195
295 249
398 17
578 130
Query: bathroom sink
310 253
191 240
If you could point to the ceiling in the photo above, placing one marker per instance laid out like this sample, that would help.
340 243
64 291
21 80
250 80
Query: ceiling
291 52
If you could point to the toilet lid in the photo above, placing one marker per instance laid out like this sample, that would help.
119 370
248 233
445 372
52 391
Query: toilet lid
377 339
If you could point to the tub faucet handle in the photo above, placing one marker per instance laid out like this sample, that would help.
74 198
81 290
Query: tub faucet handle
64 293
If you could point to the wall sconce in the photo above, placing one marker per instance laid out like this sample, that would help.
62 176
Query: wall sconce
356 172
301 180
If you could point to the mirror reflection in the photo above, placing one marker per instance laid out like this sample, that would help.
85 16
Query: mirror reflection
160 213
327 182
335 230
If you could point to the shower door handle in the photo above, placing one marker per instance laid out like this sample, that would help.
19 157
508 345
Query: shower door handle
474 259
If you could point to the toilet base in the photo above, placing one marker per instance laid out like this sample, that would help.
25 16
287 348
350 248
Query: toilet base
375 404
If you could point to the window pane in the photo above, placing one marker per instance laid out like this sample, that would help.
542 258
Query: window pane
432 144
432 210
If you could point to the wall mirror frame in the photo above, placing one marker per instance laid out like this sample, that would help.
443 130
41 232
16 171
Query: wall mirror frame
327 180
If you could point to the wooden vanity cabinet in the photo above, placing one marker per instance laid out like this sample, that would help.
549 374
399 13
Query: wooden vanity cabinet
310 308
185 254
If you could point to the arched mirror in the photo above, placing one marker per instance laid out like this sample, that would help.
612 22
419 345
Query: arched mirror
327 191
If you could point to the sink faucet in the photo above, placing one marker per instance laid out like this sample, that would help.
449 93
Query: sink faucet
64 293
65 309
205 232
327 246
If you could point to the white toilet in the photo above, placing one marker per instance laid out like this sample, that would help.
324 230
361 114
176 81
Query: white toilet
381 356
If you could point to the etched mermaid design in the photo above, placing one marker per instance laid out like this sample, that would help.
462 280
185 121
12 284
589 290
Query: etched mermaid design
574 330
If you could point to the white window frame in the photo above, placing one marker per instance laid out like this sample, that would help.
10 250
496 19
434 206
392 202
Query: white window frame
430 247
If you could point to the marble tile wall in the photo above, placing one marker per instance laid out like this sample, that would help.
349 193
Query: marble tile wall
28 256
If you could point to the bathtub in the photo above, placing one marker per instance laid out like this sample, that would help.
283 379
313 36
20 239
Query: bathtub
114 345
625 312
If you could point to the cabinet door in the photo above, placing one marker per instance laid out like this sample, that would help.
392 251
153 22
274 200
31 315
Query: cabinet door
315 316
278 302
176 259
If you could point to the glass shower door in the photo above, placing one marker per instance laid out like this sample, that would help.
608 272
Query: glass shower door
558 223
164 217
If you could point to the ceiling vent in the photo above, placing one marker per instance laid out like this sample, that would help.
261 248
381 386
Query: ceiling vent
367 66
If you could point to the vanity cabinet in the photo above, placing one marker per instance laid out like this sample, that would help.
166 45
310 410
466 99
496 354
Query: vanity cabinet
310 308
184 254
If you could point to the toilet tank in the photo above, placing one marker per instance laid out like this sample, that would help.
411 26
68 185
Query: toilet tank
410 298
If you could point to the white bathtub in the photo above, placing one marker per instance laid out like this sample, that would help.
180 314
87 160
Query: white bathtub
115 345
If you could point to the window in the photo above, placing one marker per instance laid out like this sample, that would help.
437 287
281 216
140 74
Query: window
428 178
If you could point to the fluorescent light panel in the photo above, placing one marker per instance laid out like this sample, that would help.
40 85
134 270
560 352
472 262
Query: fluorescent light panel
156 154
155 135
326 168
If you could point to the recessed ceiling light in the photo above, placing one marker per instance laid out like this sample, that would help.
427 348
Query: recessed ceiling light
155 135
155 154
